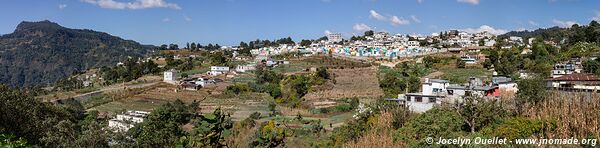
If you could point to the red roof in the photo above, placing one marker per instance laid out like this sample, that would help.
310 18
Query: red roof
576 77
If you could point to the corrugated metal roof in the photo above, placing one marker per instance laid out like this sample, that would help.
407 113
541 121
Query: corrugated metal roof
576 77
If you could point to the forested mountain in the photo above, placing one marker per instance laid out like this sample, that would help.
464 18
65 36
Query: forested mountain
577 33
38 53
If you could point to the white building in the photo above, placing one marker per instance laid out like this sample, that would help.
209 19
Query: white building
432 93
124 122
334 37
170 76
468 60
575 82
505 84
490 43
245 68
515 39
203 82
413 44
217 70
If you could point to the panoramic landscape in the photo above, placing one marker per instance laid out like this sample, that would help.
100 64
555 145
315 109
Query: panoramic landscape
310 73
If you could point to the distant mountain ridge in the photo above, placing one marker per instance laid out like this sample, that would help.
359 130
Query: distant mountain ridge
38 53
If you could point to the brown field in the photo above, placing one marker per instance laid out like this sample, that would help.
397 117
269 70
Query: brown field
210 98
357 82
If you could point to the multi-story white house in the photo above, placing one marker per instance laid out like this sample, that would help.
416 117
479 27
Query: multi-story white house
413 44
244 68
432 93
123 122
334 37
170 76
217 70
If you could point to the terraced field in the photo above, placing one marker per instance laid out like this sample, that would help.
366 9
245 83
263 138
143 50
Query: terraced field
357 82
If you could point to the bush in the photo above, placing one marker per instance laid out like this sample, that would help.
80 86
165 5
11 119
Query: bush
519 127
255 115
237 89
436 122
343 108
531 90
322 72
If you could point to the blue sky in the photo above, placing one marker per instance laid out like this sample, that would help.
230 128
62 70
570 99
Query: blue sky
228 22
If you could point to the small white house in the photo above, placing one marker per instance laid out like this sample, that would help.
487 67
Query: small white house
432 93
468 60
244 68
124 122
217 70
505 84
434 86
170 76
203 82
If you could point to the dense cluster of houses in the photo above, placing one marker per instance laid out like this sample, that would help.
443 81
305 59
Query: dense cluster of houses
437 91
565 76
570 76
383 44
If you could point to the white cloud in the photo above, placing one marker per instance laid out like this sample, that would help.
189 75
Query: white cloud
473 2
327 32
187 18
564 24
596 16
62 6
532 23
361 27
166 19
396 21
415 19
483 28
420 1
377 16
137 4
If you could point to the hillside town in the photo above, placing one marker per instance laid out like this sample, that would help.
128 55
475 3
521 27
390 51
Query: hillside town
460 73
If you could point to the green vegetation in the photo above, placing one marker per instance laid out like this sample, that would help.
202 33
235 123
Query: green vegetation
403 78
346 105
64 125
95 101
129 71
10 141
27 63
460 76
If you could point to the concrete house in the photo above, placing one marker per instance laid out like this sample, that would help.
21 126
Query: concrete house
505 84
575 82
203 82
468 59
245 68
123 122
170 76
218 70
566 68
433 91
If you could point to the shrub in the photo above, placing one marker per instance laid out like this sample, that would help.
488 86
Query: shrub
519 127
343 108
255 115
237 89
436 122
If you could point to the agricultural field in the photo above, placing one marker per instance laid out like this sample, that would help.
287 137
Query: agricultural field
303 64
348 83
210 98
